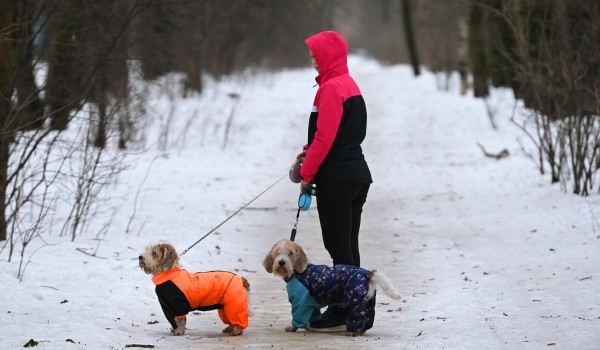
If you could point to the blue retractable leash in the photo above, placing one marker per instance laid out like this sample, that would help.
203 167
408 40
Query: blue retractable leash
304 200
305 197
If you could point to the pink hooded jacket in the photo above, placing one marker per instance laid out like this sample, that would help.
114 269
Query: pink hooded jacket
338 120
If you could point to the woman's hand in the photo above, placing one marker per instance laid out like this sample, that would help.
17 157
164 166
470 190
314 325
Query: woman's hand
303 185
301 156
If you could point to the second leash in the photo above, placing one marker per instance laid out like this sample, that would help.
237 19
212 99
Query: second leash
304 201
232 215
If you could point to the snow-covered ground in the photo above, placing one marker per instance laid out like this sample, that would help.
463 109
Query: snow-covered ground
487 254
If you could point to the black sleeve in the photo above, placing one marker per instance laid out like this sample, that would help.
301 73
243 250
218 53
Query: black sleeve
173 301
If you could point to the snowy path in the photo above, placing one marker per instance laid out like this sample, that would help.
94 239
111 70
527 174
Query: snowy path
486 254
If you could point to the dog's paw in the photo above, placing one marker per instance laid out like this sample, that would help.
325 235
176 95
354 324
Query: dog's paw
178 331
232 330
236 331
290 328
180 323
228 329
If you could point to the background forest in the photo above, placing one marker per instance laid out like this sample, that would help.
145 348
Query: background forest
77 64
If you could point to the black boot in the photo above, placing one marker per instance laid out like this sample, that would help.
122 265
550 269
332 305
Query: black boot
332 320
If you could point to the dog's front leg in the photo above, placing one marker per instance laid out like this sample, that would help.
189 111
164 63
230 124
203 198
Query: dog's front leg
180 330
290 328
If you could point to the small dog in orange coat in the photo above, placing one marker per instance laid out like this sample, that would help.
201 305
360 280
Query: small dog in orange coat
180 291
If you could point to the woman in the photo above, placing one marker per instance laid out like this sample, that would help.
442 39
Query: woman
333 158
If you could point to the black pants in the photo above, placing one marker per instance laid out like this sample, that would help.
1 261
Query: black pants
340 205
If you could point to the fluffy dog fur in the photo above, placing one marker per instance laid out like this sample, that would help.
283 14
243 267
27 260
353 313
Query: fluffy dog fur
163 258
287 257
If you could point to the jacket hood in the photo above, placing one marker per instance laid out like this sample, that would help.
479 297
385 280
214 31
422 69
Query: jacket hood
331 53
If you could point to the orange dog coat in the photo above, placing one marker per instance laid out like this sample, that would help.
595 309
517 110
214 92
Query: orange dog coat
180 292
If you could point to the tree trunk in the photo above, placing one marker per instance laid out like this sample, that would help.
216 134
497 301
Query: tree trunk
4 155
8 56
410 36
30 113
478 50
63 73
100 137
463 45
502 43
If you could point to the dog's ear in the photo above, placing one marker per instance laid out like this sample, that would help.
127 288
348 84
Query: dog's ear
170 258
301 260
268 263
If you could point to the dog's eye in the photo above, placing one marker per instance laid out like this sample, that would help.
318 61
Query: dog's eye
289 253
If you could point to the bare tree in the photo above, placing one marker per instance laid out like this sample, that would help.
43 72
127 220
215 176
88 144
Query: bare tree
463 46
59 149
410 36
37 159
547 53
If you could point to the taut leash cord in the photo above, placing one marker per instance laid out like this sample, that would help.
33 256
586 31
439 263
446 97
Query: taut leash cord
232 215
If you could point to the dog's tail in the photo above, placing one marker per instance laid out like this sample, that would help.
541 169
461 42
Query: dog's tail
378 279
246 285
